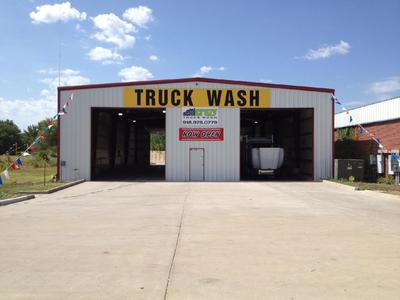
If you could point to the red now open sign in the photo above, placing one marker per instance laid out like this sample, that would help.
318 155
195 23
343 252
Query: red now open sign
201 134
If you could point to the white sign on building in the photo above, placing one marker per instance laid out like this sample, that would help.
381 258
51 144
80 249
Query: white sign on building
199 116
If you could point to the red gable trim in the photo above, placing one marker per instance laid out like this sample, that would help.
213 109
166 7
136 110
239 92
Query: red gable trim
198 79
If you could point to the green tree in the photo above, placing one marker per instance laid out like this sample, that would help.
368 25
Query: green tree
9 135
29 135
157 141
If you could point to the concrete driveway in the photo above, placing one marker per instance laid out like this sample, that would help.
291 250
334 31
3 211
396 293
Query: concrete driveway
248 240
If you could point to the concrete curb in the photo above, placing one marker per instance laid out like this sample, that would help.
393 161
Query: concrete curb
16 199
56 189
340 184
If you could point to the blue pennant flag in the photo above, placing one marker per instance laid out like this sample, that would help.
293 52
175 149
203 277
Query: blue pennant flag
336 100
351 119
1 181
19 162
36 142
362 131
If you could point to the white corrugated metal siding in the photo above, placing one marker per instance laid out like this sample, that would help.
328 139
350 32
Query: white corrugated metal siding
222 158
376 112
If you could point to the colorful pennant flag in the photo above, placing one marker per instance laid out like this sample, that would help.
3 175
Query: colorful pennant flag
351 119
14 166
362 131
25 154
19 162
32 149
336 100
1 181
62 112
6 174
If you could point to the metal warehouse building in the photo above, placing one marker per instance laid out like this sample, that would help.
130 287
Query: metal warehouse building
215 130
382 119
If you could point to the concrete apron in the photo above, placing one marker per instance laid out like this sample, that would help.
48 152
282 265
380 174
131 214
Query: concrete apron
247 240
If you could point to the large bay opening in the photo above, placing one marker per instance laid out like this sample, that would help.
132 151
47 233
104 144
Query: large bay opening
277 144
128 144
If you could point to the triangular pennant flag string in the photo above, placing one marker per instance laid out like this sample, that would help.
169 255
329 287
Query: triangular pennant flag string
18 163
361 128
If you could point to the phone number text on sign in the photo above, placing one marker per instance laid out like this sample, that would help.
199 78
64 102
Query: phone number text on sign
201 134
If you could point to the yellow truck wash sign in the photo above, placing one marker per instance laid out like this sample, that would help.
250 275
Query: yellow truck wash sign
245 98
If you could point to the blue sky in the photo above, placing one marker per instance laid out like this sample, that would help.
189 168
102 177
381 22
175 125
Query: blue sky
352 46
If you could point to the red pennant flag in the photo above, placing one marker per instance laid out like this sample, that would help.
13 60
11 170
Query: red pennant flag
32 149
51 122
14 166
389 149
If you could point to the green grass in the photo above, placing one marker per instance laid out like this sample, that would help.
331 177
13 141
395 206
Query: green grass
381 187
28 178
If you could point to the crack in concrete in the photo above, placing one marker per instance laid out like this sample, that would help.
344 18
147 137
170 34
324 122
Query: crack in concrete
176 247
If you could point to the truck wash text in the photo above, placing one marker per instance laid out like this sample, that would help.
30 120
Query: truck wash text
196 97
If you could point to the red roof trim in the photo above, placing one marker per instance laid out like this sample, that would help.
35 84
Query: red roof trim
198 79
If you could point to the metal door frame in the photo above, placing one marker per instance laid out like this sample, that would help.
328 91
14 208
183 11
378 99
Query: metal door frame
204 161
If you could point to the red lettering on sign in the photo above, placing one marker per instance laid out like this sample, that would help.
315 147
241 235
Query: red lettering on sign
201 134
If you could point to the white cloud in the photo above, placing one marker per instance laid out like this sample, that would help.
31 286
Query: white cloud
114 30
27 112
207 69
62 12
64 78
327 51
153 57
386 87
105 55
135 73
147 38
141 15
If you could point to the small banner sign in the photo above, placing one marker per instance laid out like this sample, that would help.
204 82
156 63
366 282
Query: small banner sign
199 116
201 134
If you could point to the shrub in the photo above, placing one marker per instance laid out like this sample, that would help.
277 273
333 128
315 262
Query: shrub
386 180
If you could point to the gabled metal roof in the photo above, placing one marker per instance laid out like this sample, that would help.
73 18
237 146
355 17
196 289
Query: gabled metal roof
199 79
381 111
